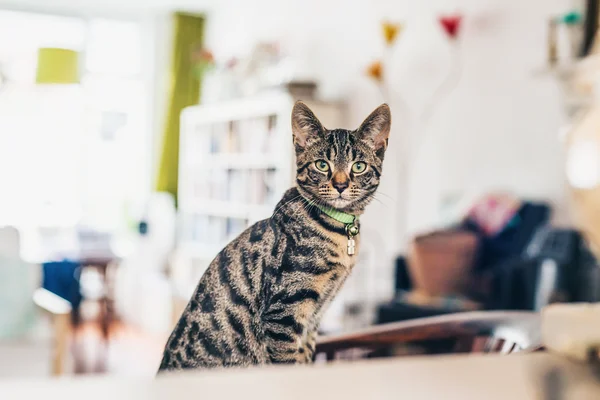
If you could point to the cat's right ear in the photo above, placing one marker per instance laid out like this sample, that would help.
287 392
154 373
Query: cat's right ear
376 128
305 125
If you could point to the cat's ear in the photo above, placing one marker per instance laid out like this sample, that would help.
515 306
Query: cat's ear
305 125
376 128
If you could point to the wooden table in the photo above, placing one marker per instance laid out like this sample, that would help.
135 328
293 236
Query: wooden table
478 377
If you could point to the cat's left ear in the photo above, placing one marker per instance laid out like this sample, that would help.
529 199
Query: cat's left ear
375 130
305 125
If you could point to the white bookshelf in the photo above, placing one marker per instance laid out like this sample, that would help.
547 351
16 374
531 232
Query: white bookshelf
236 161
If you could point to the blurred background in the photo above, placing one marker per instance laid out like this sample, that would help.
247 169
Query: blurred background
138 137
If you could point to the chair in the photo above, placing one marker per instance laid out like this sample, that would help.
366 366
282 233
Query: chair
470 332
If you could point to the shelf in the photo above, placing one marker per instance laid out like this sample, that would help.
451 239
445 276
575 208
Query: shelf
252 165
226 209
264 105
237 161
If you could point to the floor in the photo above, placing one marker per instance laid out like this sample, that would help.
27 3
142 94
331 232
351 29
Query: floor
24 359
129 352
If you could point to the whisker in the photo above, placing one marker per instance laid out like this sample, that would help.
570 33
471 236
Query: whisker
285 204
386 195
373 197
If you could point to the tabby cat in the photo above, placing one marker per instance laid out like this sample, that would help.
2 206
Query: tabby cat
262 297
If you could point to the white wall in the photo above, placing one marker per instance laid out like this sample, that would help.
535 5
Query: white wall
497 130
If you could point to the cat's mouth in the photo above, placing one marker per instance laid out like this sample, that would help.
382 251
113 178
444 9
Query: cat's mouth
340 202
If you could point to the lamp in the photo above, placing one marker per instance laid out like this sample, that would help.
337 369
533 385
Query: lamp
57 66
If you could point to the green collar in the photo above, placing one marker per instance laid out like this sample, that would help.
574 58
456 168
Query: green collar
339 216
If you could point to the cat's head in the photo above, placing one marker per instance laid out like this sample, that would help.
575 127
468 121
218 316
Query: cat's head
339 168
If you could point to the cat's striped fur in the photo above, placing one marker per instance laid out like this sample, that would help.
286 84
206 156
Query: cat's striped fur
261 299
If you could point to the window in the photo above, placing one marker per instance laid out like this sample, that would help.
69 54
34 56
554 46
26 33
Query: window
72 155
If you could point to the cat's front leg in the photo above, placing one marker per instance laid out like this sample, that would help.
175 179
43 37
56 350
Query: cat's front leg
310 345
286 328
285 347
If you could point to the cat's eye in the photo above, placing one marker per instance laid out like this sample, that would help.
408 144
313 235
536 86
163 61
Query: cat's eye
322 165
359 167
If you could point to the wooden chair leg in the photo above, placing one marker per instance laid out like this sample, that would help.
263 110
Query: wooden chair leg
59 310
61 324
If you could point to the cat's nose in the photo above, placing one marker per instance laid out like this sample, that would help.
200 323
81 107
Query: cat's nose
340 186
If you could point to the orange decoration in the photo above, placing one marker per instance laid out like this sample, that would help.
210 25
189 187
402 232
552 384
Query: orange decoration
390 32
375 71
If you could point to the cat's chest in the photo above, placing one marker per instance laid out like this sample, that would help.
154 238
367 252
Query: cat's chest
327 250
347 249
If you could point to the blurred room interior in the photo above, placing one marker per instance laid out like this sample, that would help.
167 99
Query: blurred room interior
137 138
